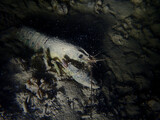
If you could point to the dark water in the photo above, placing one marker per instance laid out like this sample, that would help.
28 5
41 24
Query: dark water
85 31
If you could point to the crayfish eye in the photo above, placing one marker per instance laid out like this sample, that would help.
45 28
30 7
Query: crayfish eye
80 56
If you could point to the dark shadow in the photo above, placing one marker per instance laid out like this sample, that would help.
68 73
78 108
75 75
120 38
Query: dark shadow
86 31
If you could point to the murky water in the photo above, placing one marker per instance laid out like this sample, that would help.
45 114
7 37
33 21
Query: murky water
122 33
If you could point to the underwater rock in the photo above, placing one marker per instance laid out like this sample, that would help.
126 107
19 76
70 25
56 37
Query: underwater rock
142 82
120 9
98 6
154 43
118 39
154 105
135 33
41 97
84 7
147 33
39 88
156 29
22 99
124 90
136 2
140 13
60 8
132 110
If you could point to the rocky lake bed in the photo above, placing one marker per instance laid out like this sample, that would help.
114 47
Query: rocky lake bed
122 34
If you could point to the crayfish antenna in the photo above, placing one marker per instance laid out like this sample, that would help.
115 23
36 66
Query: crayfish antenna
97 54
96 60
